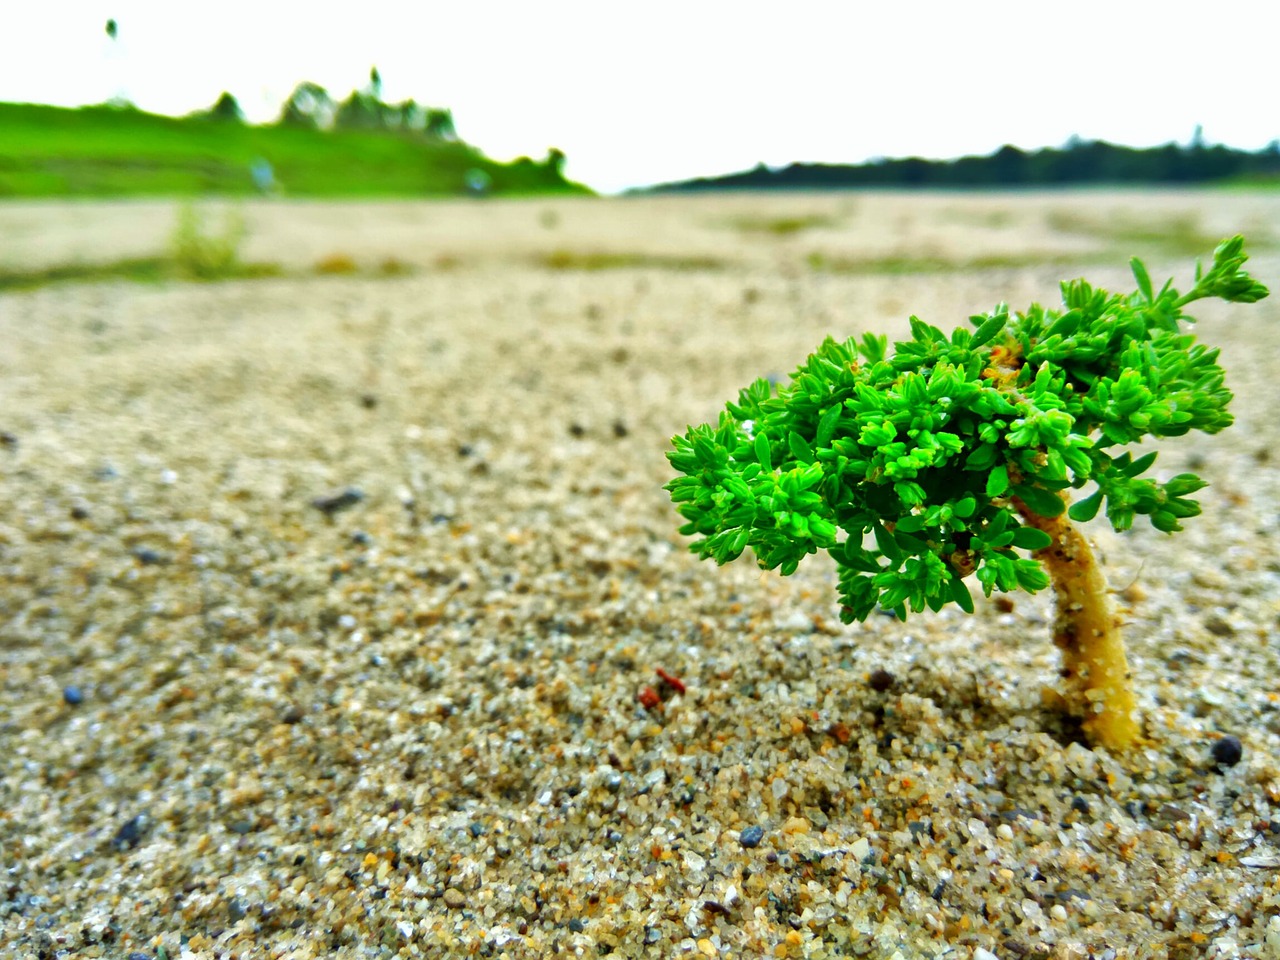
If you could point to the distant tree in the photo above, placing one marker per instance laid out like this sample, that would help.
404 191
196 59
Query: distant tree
555 161
226 109
112 29
360 111
1009 165
439 124
407 115
364 109
308 106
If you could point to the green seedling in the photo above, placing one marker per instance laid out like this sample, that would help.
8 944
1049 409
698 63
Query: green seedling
955 457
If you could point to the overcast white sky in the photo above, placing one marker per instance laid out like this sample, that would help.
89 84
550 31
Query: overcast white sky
641 92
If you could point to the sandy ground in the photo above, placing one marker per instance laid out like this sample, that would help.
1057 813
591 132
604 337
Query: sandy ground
237 725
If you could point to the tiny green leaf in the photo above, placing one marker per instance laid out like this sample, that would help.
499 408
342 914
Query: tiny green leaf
998 481
763 454
1082 511
1029 538
988 329
1142 277
800 448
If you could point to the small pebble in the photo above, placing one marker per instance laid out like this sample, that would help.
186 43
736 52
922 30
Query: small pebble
751 836
148 557
332 503
880 680
454 898
292 714
1227 751
130 833
1219 626
72 696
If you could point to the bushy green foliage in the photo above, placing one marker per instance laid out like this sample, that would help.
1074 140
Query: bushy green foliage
913 468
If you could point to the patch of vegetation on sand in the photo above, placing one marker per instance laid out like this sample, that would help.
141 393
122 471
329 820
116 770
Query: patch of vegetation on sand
595 260
901 265
129 269
1175 235
783 226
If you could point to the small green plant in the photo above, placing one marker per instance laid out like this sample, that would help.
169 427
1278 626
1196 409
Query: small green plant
954 456
204 255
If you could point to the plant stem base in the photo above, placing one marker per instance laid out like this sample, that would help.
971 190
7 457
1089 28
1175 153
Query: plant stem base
1095 670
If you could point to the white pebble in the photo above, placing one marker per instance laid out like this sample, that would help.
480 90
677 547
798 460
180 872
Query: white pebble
1058 912
1004 832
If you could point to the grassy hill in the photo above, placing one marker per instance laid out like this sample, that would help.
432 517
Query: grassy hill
112 151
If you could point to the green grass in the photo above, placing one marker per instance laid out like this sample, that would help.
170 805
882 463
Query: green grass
111 151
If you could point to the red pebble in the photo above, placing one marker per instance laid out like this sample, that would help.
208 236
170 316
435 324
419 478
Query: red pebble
649 698
675 683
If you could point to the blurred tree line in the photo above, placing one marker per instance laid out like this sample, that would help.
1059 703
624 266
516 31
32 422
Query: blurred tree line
1077 162
310 106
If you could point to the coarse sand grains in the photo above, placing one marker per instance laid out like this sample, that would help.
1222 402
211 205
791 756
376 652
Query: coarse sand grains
346 616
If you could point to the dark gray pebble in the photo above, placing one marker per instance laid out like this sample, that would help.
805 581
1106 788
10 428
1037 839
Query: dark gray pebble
332 503
130 832
1227 751
148 557
751 837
